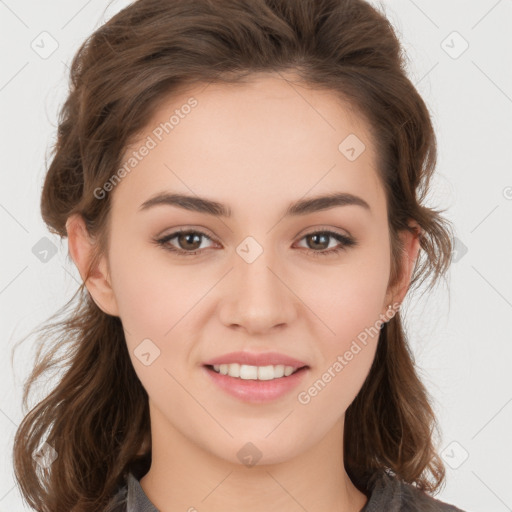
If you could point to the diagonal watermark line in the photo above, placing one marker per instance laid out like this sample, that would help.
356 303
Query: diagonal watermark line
9 491
491 419
217 486
290 84
14 218
76 14
199 403
492 211
425 14
13 279
504 298
485 15
286 491
426 74
508 508
14 76
279 423
8 418
198 301
492 81
3 3
71 274
334 334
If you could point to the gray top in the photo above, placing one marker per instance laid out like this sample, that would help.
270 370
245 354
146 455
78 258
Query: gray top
385 493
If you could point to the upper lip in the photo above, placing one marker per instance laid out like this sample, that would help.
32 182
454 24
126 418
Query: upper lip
255 359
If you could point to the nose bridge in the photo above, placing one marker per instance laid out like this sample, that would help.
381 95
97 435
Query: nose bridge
258 299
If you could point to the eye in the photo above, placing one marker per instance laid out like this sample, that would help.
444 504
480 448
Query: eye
321 238
189 242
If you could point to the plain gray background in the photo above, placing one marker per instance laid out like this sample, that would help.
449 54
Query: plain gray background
460 60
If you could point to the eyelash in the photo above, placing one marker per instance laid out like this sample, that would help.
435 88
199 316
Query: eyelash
345 241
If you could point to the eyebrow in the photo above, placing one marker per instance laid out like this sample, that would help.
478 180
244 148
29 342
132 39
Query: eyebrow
210 207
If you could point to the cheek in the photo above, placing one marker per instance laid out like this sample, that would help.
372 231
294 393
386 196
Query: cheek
151 295
351 298
159 302
154 304
350 307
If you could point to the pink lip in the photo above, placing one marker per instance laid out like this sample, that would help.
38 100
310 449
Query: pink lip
256 391
254 359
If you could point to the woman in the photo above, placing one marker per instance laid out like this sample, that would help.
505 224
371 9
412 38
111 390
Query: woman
241 184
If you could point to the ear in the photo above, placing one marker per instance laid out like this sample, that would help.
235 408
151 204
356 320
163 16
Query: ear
81 248
411 246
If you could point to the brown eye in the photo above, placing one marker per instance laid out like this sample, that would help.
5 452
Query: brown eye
318 240
189 241
318 243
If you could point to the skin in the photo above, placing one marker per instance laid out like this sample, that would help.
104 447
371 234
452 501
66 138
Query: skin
231 148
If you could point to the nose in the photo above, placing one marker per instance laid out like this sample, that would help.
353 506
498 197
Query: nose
257 297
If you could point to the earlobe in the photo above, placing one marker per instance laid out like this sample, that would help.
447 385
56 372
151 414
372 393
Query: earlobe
81 247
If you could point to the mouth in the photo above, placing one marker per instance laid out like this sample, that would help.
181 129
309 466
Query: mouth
250 372
256 384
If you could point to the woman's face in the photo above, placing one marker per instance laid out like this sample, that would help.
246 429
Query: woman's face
256 281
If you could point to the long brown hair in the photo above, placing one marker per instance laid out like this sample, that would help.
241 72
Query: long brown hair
97 418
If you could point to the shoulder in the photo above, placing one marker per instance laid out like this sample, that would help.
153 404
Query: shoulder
119 502
128 493
392 494
130 497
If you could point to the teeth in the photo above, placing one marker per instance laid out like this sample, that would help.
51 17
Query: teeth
248 372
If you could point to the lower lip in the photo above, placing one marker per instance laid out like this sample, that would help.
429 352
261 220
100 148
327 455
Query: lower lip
257 391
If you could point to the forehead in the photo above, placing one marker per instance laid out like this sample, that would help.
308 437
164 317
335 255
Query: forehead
262 140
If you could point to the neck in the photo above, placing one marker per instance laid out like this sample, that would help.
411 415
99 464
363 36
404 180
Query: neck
184 476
